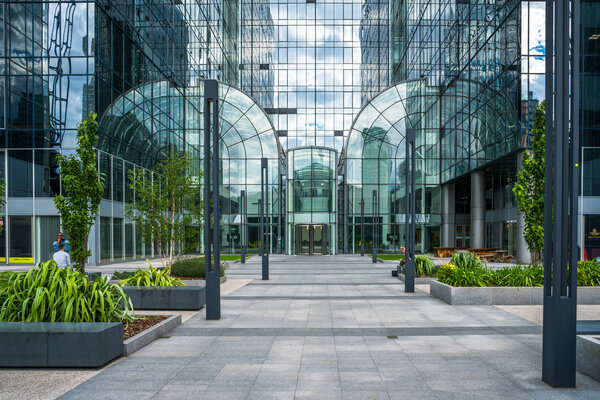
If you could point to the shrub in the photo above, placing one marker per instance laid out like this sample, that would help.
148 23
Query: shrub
466 260
520 276
123 274
192 268
151 277
48 293
445 272
424 267
588 273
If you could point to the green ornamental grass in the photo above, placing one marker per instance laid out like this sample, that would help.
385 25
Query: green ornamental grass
152 277
49 293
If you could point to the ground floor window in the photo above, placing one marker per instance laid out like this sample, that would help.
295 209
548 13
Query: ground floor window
20 239
591 245
46 230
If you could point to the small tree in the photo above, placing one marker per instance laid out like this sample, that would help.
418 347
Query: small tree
529 189
82 188
167 205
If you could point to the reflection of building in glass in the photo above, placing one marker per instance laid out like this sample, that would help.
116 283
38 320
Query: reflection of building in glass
528 108
313 78
257 41
374 43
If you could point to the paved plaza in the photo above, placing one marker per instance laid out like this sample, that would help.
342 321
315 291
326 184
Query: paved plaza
336 327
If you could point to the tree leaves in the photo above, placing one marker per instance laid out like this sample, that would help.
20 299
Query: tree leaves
82 189
167 204
529 188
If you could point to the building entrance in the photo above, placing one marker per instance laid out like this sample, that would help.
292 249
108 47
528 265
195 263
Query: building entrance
312 239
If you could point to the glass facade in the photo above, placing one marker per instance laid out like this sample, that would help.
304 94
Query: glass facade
312 65
311 194
314 98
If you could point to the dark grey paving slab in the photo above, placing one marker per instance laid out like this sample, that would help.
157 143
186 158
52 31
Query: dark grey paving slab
336 328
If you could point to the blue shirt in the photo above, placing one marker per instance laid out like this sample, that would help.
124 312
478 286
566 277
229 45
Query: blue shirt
65 242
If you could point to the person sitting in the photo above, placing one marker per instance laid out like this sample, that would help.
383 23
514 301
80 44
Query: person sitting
61 257
60 240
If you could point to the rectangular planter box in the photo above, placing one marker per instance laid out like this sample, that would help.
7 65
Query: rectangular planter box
486 295
504 295
166 298
138 341
588 356
59 344
418 281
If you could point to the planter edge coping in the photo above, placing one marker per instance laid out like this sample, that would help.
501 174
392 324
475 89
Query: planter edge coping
140 340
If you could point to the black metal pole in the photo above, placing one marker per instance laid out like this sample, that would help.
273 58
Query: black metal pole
409 230
212 270
362 227
561 250
264 195
374 226
243 226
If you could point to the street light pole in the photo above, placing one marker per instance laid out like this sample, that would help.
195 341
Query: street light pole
264 206
362 227
375 203
243 226
561 249
410 210
211 200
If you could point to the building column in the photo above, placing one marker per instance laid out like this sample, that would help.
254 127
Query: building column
448 235
523 254
94 243
477 209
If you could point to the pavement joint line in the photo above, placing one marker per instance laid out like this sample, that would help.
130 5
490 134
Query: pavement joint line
361 332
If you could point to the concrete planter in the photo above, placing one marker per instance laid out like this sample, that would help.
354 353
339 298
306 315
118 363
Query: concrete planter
138 341
504 295
59 344
166 297
200 282
588 356
486 295
418 281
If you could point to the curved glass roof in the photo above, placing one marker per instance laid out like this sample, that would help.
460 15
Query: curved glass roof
461 129
141 125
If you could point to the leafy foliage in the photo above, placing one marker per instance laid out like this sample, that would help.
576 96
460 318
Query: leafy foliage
167 206
123 274
192 268
152 277
48 293
588 273
82 188
466 260
529 188
424 267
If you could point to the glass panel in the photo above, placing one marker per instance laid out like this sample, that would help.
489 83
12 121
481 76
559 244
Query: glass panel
118 238
20 237
46 229
20 168
105 239
47 182
129 240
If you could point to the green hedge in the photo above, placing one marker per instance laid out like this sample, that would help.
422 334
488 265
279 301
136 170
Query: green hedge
476 275
192 268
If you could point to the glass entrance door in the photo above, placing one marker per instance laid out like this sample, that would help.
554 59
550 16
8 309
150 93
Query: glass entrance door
312 239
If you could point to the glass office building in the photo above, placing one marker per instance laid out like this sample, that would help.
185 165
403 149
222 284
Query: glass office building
325 90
